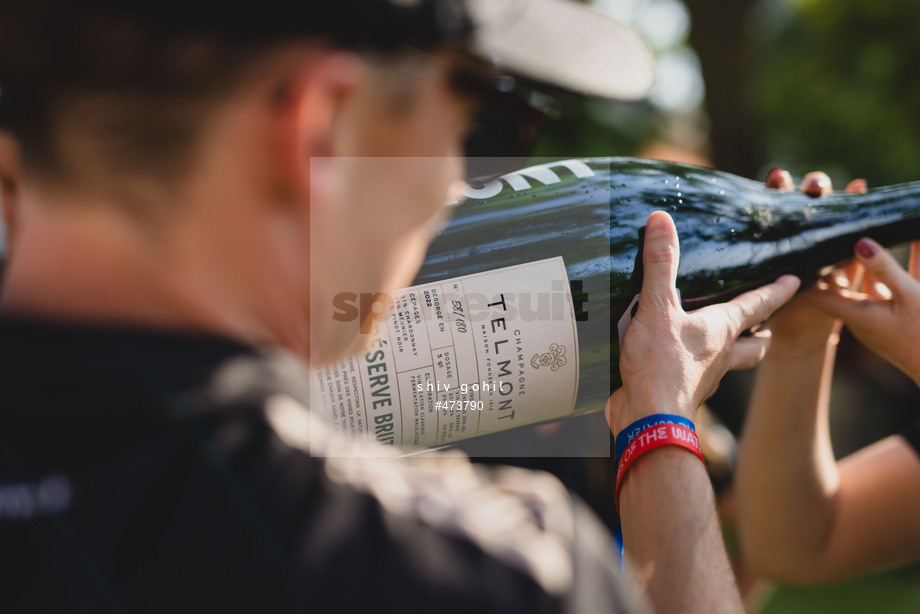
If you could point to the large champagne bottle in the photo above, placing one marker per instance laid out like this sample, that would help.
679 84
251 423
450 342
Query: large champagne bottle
515 316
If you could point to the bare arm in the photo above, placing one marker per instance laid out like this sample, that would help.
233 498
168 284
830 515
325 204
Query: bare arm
786 477
671 362
802 516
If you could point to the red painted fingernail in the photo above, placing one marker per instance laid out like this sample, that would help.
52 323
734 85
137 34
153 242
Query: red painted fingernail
779 179
816 184
865 248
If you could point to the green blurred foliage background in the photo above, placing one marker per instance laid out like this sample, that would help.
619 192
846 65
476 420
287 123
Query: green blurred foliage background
839 85
800 83
745 85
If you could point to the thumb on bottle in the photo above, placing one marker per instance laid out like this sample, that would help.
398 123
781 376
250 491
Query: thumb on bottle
881 265
660 258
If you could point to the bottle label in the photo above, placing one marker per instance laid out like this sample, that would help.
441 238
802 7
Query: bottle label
459 358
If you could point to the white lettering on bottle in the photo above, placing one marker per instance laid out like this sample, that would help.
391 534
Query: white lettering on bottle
518 180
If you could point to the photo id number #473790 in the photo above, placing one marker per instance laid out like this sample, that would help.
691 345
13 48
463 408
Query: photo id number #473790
459 405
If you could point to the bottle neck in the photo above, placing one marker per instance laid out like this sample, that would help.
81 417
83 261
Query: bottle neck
889 214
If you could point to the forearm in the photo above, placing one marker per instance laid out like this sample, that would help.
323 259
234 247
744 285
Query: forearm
786 476
671 361
671 534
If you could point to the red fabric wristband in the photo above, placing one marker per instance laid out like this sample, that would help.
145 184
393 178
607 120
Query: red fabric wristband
651 438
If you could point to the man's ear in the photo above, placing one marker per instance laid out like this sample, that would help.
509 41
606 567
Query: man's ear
10 182
309 112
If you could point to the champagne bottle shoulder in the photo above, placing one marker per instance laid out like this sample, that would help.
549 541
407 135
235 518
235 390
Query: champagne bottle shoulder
734 232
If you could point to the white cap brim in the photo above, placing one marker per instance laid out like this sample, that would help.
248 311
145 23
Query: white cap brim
565 44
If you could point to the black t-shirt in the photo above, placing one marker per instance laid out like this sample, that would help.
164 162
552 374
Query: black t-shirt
145 471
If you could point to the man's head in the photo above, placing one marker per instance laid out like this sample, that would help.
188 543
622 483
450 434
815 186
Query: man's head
132 89
262 163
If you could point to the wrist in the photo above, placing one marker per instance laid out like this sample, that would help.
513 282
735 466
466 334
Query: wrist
625 437
651 401
653 433
801 348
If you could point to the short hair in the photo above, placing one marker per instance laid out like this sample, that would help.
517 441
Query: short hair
141 90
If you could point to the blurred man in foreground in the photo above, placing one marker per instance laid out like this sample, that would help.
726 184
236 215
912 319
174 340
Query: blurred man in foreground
176 253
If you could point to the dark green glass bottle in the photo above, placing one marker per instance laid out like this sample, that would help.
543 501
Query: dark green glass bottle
577 225
735 233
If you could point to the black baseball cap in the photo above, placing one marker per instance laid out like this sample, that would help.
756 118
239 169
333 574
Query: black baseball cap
561 43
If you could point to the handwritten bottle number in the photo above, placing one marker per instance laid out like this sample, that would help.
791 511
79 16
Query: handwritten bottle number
460 321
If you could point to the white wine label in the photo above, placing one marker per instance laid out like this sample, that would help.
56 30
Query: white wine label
459 358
